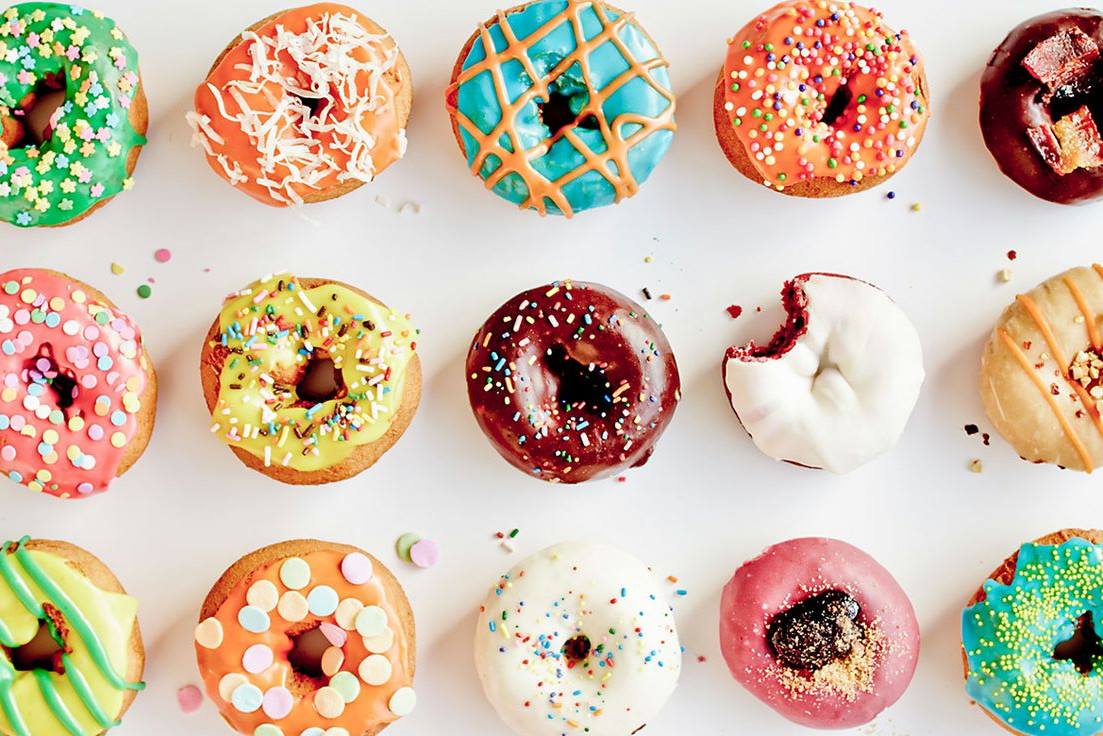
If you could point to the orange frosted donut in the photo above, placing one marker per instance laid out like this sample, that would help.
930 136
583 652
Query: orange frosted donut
820 99
308 638
305 106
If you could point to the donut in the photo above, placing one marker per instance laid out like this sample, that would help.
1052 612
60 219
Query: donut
309 381
308 638
304 106
562 106
92 142
1038 104
578 638
78 393
71 655
820 99
1030 641
572 381
820 632
1039 376
836 384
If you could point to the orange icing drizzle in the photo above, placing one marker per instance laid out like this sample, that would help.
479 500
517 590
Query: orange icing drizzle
776 94
613 162
1089 315
365 713
328 150
1073 438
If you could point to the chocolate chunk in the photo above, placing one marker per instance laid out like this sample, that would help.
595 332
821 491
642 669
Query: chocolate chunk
815 632
1062 58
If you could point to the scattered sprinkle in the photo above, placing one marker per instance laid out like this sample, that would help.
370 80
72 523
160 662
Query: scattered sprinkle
144 291
425 553
648 259
976 466
117 269
664 297
1004 275
971 429
1012 255
646 293
734 311
404 543
916 207
162 255
891 195
190 698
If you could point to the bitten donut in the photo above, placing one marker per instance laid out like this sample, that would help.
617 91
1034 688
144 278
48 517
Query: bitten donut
92 142
309 381
579 639
78 394
1039 102
820 632
71 655
572 381
1030 638
836 384
1040 371
305 106
561 106
308 638
820 99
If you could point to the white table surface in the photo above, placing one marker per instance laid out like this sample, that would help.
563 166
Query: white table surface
708 500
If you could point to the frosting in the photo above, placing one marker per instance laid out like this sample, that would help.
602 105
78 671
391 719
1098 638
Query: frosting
824 89
304 103
850 691
572 381
84 160
578 639
73 373
243 650
1011 638
836 385
268 335
617 89
94 626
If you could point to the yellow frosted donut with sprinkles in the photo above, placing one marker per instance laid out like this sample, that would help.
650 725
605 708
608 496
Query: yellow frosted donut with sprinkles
308 380
71 655
78 392
308 638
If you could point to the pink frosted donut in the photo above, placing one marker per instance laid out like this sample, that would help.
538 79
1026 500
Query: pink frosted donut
77 389
820 632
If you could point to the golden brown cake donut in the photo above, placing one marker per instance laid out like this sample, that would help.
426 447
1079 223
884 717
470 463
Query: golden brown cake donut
337 383
306 637
71 659
1040 372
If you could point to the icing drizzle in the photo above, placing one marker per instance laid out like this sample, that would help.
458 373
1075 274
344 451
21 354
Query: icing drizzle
41 588
1010 638
84 159
613 72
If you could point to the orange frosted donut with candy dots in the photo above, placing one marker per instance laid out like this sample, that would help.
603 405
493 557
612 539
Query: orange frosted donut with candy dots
820 98
308 638
78 392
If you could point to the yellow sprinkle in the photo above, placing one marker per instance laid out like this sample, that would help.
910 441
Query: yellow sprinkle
117 269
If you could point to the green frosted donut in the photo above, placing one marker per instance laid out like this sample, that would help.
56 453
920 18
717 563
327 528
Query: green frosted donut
93 137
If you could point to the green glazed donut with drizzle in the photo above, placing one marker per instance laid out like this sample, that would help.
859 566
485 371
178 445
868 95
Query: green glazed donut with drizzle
71 655
89 148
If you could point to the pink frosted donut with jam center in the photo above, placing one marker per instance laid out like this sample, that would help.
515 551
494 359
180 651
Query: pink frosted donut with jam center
820 632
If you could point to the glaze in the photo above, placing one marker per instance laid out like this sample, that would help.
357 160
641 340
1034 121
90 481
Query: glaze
572 381
93 142
619 117
75 381
304 102
243 649
818 90
268 335
579 639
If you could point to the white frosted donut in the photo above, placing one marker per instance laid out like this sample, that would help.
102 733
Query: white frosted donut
579 638
835 386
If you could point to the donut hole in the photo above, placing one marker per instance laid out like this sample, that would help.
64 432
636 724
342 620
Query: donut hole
314 105
307 648
42 652
837 105
33 116
576 649
1084 649
44 370
320 380
582 386
566 104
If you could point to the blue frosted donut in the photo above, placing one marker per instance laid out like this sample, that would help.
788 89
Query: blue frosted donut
571 109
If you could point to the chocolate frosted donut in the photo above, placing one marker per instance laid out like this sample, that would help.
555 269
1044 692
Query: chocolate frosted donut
1041 100
572 381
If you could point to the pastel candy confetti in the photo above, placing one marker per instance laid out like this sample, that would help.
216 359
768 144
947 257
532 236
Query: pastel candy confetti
189 698
425 553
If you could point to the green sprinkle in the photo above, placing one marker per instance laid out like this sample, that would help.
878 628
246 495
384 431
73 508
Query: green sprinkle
144 291
832 163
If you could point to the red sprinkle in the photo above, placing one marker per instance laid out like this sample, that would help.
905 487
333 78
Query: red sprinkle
735 310
1012 255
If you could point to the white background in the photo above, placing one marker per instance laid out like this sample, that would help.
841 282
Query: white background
708 500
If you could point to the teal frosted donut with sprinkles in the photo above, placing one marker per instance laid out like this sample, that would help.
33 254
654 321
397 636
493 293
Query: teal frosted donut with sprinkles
562 105
1033 655
90 146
